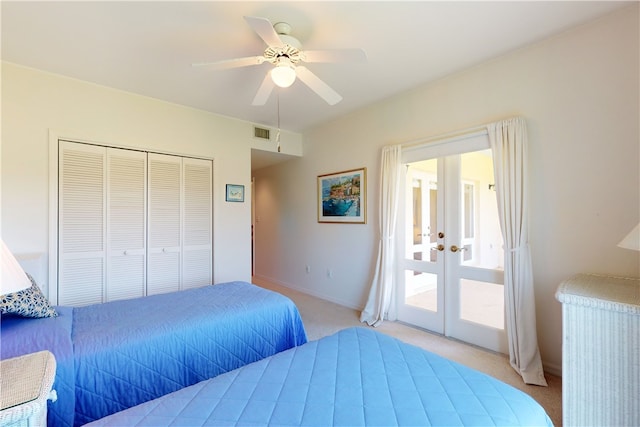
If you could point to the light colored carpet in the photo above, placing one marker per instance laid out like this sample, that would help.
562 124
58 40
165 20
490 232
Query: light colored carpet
322 318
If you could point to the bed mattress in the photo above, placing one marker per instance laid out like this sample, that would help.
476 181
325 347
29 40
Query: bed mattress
355 377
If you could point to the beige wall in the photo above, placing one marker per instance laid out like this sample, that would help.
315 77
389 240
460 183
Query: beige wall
579 94
35 103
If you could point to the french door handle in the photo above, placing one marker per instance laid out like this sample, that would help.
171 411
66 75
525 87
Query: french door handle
454 248
440 248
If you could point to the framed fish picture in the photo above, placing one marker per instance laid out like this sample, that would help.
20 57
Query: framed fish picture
342 197
235 193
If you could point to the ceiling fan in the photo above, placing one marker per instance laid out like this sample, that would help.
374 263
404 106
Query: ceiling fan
285 53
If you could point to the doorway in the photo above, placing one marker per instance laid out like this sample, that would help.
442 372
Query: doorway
451 270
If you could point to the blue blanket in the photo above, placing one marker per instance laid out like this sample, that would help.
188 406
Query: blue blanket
130 351
356 377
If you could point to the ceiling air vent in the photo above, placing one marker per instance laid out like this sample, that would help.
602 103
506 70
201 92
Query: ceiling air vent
261 133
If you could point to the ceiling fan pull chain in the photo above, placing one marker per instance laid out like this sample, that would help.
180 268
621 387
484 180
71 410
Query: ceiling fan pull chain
278 133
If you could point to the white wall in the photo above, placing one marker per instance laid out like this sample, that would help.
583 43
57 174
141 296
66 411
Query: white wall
579 95
35 103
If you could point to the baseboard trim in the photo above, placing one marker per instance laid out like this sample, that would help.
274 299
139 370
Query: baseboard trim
308 292
553 369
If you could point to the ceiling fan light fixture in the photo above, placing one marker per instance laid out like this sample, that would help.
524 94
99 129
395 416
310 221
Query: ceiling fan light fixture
283 74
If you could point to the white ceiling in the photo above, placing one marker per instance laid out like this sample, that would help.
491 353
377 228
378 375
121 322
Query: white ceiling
148 47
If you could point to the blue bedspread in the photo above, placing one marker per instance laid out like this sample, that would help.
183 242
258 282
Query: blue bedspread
21 336
130 351
356 377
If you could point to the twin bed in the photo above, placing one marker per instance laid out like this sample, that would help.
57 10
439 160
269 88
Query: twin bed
236 354
116 355
356 377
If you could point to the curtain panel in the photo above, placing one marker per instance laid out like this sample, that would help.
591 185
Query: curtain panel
379 304
508 141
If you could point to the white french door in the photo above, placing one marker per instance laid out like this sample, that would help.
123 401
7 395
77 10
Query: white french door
451 269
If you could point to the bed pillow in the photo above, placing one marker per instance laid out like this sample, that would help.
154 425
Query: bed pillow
28 302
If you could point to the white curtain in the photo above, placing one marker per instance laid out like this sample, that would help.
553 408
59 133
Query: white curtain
379 303
508 141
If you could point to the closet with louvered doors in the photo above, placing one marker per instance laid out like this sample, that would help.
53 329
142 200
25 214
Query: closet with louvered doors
131 223
180 218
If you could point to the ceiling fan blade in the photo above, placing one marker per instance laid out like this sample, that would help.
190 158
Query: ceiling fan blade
264 91
334 55
264 28
317 85
231 63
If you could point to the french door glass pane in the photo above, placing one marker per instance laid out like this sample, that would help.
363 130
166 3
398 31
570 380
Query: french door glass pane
482 302
417 220
480 228
421 290
422 213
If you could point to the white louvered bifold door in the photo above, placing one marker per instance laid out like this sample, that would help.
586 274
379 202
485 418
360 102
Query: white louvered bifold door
164 226
197 226
131 223
82 224
126 223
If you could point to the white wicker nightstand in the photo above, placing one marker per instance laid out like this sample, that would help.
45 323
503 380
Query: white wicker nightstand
25 387
601 351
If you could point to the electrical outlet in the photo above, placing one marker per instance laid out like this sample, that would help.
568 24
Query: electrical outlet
329 273
307 268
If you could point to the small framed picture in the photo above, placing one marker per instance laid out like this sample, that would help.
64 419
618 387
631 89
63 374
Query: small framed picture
342 197
235 193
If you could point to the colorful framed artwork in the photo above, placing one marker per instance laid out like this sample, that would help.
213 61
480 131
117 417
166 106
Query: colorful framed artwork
342 197
235 193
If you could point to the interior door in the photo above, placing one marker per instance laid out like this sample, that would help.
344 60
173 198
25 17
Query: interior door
126 223
82 242
180 223
197 227
454 284
164 261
